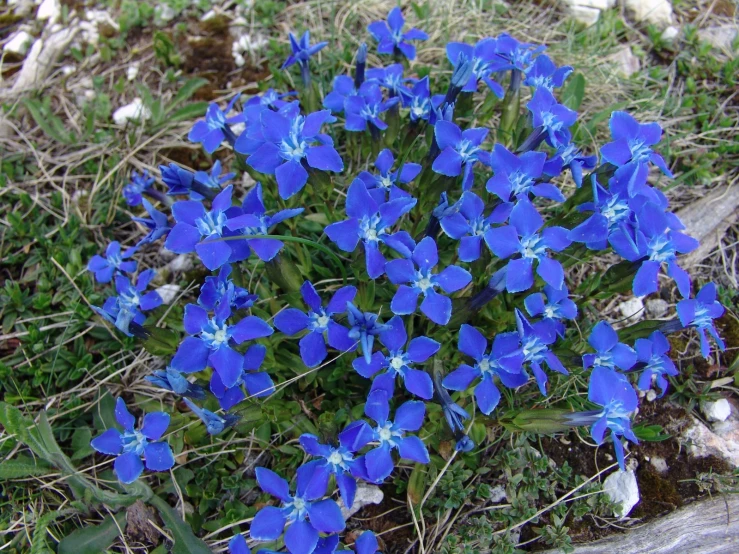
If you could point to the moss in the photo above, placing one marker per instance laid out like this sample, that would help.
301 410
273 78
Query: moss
658 495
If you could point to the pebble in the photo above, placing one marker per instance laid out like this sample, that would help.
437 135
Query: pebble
656 307
18 43
670 33
720 410
656 12
366 494
659 464
49 10
135 111
632 308
622 488
720 36
626 63
168 292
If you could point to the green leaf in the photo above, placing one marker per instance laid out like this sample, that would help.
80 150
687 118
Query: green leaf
185 541
81 443
651 433
103 416
191 111
574 91
186 91
23 466
49 123
95 539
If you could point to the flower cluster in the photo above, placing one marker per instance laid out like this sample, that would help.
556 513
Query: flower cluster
448 222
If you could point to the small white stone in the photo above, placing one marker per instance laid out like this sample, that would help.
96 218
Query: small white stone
659 464
722 441
622 488
656 307
626 63
132 71
238 128
19 43
670 33
210 14
651 396
657 12
239 59
183 262
49 10
68 69
164 13
497 494
632 308
585 15
720 410
135 111
720 36
597 4
168 292
366 494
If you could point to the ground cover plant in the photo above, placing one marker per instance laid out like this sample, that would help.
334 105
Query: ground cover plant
295 367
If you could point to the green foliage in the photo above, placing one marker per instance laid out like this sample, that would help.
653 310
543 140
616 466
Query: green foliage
95 538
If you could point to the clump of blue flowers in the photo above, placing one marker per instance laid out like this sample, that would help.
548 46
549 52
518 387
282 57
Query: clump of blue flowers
466 246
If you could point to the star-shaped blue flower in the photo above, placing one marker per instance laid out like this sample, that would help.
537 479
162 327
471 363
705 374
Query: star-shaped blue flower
385 185
113 263
552 305
519 176
609 352
391 37
415 277
139 184
211 131
460 150
700 313
652 353
483 57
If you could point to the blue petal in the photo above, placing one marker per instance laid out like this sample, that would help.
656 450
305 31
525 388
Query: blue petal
291 178
520 275
313 349
421 349
409 416
123 416
108 442
419 383
412 448
227 362
395 337
448 163
128 467
158 456
472 342
487 395
267 524
291 321
437 307
461 378
325 158
425 254
301 538
377 406
250 328
344 233
325 516
405 300
273 484
155 424
379 463
191 356
453 278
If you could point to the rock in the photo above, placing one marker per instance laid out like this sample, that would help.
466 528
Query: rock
21 7
50 11
621 488
656 12
208 15
139 528
626 63
583 14
720 36
497 494
656 307
168 292
132 71
164 13
659 464
722 442
18 43
182 262
720 410
67 70
651 395
707 220
670 34
246 44
366 494
135 111
632 308
41 59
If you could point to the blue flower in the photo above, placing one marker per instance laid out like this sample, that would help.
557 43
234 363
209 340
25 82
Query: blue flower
421 281
504 361
700 313
180 181
522 237
338 460
128 306
612 211
514 55
613 392
400 361
391 37
270 99
213 180
133 444
301 54
454 414
392 434
535 341
302 513
211 131
517 176
543 73
419 101
483 57
386 183
292 141
552 305
157 222
258 383
255 221
220 286
390 78
371 223
343 87
171 379
365 108
237 545
469 225
139 184
656 239
459 148
632 142
569 156
319 322
201 231
609 353
364 327
214 424
551 117
652 353
113 263
366 543
209 343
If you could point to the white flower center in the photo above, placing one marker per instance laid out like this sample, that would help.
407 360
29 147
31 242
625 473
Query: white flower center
385 434
397 362
335 458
